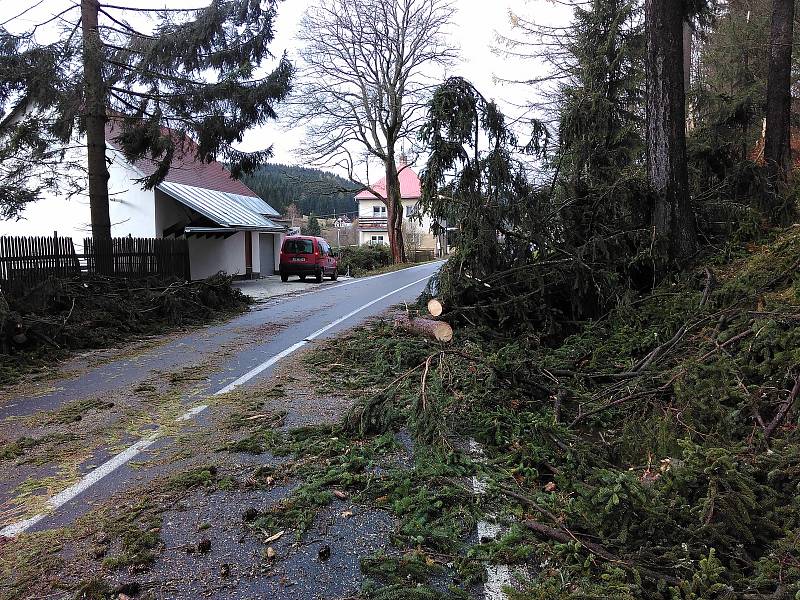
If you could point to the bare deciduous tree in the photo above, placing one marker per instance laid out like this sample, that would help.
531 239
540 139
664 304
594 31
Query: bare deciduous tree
363 83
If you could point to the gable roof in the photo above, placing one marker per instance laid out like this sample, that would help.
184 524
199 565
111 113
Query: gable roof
206 188
410 186
186 169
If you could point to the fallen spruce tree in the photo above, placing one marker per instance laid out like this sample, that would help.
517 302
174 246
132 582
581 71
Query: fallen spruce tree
59 316
639 416
652 453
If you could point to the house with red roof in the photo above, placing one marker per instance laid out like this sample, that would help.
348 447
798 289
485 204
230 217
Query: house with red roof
228 227
417 226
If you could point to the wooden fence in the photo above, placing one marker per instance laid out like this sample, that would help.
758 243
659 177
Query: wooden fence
138 257
26 261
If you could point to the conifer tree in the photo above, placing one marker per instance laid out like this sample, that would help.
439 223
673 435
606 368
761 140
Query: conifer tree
195 73
600 129
779 99
313 227
673 217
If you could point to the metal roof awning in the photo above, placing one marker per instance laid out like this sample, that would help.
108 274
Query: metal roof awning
224 231
257 205
227 209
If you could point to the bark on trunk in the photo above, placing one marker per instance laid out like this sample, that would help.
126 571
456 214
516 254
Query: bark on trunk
673 219
777 157
95 119
438 330
687 71
394 212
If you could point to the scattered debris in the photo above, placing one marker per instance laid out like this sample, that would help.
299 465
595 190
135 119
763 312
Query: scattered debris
324 552
274 537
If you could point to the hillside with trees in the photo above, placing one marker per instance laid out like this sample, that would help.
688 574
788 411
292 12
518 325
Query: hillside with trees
311 190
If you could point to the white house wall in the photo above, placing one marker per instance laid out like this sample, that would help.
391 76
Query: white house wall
256 256
423 229
132 209
365 237
133 215
365 207
168 212
208 256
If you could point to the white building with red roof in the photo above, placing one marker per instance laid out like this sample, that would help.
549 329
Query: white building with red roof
373 221
228 227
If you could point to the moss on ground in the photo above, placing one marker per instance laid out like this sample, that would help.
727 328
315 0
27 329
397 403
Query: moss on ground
124 534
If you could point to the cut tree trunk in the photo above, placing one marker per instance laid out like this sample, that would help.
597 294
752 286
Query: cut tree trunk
435 307
777 156
673 219
438 330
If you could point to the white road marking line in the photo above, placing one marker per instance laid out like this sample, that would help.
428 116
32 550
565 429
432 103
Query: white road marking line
497 576
84 484
319 332
260 368
123 457
355 280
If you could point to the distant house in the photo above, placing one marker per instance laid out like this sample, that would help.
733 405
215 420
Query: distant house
342 222
372 218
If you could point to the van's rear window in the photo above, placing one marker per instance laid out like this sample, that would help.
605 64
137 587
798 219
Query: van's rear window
298 247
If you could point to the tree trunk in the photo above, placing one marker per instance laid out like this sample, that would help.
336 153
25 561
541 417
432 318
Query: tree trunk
687 71
95 120
777 151
394 212
438 330
673 219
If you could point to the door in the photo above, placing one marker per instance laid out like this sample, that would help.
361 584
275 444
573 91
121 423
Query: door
267 253
248 253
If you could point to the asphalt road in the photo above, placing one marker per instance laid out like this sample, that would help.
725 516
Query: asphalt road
240 352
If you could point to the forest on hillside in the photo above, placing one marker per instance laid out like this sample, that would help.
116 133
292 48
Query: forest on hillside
311 190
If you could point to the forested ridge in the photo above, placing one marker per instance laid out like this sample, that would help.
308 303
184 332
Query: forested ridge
311 190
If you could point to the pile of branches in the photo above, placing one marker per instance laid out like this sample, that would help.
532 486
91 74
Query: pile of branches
58 316
654 453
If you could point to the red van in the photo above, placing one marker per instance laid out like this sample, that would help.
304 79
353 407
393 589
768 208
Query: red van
304 255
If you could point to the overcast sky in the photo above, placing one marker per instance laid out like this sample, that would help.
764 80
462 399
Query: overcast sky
476 24
475 27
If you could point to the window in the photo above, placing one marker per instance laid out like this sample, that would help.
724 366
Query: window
378 211
325 248
298 246
377 239
411 211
